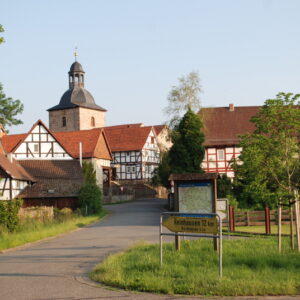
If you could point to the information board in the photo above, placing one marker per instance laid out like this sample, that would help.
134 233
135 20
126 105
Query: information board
195 197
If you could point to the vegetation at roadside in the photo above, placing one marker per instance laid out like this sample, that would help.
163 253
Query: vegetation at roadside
251 266
33 230
90 195
270 166
261 229
9 220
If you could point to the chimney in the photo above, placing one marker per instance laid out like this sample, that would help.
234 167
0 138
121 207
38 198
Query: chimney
231 107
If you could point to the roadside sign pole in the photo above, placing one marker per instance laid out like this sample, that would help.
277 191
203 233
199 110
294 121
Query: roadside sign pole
160 239
220 248
178 232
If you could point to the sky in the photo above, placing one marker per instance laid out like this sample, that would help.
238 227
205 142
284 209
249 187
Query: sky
134 51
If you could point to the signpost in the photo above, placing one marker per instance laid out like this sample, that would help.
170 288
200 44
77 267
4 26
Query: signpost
192 225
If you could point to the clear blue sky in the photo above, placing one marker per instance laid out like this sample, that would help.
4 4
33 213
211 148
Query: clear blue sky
134 51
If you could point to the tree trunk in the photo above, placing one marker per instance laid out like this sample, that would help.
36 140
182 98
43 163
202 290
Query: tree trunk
279 227
291 227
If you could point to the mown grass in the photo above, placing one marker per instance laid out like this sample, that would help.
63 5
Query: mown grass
251 266
261 229
34 231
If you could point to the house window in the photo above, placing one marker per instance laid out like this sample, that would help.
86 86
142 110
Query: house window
64 121
92 121
130 169
152 140
221 154
36 147
127 153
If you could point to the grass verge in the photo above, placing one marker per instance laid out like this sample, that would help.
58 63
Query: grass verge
262 229
37 231
251 266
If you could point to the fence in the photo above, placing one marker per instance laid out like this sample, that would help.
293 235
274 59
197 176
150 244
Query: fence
265 218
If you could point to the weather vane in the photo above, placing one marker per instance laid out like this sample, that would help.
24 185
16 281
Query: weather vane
76 53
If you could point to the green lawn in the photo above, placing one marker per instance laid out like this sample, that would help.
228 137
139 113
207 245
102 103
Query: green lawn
37 231
261 229
251 266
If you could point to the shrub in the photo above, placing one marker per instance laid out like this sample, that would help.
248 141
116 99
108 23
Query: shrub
90 199
63 214
9 214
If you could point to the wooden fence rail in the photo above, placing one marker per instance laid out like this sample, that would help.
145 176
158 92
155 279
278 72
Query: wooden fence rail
265 218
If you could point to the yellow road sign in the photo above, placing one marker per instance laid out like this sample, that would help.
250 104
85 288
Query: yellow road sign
191 224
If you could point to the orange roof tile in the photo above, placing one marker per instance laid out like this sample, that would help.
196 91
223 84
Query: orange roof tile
93 141
126 125
127 138
13 169
9 142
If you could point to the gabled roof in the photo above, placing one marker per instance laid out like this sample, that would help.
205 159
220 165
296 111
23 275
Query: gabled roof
126 125
158 128
94 143
13 169
11 142
223 126
127 138
55 178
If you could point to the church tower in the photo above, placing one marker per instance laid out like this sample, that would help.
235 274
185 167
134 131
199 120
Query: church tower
77 109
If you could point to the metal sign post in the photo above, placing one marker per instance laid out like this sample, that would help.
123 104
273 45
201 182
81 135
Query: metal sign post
192 225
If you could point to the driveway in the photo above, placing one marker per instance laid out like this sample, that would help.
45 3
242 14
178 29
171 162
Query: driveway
58 268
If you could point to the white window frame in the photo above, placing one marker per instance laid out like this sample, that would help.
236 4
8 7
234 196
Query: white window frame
221 157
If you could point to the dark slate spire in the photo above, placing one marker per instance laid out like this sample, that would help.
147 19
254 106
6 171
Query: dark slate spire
76 95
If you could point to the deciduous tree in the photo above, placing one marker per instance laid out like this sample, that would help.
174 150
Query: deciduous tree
270 165
9 108
185 95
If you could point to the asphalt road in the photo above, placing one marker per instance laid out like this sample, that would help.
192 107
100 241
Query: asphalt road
57 269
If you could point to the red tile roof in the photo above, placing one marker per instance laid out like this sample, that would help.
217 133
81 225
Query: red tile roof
9 142
159 128
13 169
126 125
127 138
223 127
93 141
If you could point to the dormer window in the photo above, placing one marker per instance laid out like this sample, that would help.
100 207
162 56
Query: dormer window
64 121
92 121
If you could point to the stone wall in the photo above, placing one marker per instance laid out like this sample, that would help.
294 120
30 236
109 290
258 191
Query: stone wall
85 116
72 119
77 118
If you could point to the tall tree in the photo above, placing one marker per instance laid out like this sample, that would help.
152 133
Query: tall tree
185 95
187 152
269 166
9 108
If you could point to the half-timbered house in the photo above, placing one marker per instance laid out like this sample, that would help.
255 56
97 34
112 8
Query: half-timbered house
222 128
163 140
94 149
13 178
55 175
135 151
